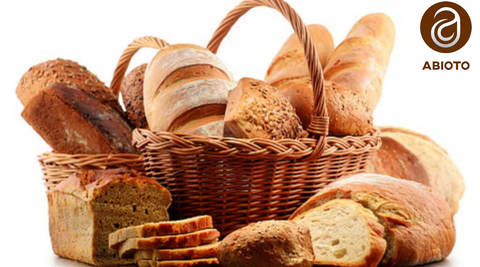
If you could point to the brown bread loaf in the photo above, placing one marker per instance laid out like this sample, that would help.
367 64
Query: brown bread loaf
418 223
409 155
191 253
184 226
87 207
267 244
186 90
210 262
256 110
128 248
69 73
73 121
353 74
132 95
345 234
288 71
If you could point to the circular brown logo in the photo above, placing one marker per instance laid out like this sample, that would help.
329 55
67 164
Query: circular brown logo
446 27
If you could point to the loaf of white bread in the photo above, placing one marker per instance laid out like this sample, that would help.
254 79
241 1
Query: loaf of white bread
370 219
353 73
85 208
186 91
413 156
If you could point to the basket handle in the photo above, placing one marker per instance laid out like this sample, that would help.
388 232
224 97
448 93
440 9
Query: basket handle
128 53
318 126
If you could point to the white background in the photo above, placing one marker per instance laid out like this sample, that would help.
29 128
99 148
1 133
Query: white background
441 104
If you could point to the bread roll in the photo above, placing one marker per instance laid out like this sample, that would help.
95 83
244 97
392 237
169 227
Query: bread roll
288 71
85 208
353 74
256 110
267 244
186 90
132 94
418 223
409 155
73 121
69 73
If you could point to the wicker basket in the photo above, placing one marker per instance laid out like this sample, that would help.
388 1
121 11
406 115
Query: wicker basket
56 167
239 181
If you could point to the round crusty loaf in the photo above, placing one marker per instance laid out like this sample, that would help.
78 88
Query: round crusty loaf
132 94
288 71
186 88
66 72
267 244
409 155
419 226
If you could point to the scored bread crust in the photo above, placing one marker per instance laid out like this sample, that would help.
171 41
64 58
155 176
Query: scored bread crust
200 252
207 236
418 223
377 243
209 262
160 228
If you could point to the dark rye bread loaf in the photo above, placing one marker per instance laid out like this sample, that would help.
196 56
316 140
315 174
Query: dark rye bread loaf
73 121
85 208
132 95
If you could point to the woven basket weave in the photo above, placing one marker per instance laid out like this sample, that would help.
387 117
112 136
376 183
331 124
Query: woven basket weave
239 181
56 167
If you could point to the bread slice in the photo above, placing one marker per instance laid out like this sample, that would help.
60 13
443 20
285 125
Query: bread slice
344 233
210 262
207 236
160 228
200 252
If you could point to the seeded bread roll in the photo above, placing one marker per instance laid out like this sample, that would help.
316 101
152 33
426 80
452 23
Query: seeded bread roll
256 110
409 155
85 208
73 121
186 90
132 94
267 244
418 223
67 72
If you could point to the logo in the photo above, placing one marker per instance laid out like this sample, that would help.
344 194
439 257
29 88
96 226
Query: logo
446 27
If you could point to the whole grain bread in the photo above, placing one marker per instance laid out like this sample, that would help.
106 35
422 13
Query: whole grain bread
85 208
184 226
267 244
344 233
206 236
73 121
419 226
256 110
413 156
210 262
132 95
191 253
67 72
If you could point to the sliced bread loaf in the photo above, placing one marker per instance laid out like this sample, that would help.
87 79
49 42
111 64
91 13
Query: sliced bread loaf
207 236
200 252
344 233
160 228
184 263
